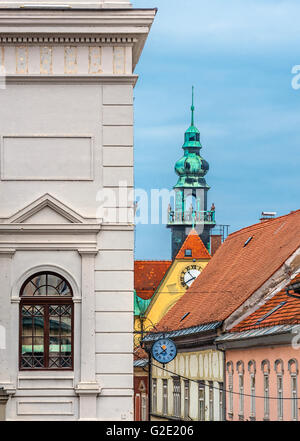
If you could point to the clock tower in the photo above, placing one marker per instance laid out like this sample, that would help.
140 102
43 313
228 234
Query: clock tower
190 205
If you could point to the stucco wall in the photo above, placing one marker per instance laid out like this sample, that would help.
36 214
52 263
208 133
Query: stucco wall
284 353
66 134
205 366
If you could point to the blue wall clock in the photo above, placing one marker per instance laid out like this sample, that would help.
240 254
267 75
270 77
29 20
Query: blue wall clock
164 350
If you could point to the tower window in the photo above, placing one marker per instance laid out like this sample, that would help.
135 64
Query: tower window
188 253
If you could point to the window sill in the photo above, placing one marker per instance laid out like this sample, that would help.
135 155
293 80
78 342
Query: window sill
167 417
47 374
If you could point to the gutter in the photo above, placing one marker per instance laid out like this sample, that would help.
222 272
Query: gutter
279 339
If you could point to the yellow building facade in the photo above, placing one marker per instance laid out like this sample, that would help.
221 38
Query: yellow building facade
190 261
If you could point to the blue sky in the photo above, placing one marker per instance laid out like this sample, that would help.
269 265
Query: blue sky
238 54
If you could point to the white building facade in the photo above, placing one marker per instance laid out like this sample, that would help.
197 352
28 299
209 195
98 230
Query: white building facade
66 268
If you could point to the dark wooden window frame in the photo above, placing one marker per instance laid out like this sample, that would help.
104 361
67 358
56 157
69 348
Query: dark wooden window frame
46 301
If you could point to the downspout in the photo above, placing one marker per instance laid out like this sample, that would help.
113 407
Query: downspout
149 383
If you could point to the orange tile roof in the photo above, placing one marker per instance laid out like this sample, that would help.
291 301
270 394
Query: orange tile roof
194 243
139 353
147 276
273 312
236 271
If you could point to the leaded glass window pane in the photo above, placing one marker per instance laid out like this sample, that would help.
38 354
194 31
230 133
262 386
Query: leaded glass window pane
60 342
46 327
46 285
32 336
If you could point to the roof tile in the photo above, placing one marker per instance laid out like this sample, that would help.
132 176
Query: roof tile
236 271
280 309
147 276
195 244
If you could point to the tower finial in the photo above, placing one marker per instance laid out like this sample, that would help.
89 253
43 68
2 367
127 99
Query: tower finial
192 107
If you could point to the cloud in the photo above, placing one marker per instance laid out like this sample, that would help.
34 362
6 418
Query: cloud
233 24
239 56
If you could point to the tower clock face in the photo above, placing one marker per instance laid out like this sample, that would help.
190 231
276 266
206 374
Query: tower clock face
189 275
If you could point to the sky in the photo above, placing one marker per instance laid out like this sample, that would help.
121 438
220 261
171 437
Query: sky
239 55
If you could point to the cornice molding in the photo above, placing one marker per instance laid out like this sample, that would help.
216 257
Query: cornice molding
50 228
63 39
90 388
7 252
118 24
72 79
87 252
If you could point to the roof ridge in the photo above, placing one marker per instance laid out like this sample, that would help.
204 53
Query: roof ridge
263 224
154 260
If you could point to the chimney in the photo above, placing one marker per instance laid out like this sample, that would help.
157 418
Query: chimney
267 215
215 243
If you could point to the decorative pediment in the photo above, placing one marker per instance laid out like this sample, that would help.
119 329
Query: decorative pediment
46 210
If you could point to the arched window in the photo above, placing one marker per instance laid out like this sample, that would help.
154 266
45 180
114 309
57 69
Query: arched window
265 367
229 368
46 323
293 370
252 372
241 371
278 366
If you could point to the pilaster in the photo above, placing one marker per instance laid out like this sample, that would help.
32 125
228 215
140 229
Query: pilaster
6 255
88 388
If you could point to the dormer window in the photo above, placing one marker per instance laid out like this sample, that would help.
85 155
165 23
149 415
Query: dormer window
188 253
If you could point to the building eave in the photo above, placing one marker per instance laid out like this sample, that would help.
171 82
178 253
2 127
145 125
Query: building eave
117 24
195 337
275 335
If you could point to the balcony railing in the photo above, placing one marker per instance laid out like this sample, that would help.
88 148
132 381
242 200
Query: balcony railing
191 217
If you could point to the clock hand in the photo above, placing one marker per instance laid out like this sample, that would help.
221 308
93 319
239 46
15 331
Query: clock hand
193 278
164 348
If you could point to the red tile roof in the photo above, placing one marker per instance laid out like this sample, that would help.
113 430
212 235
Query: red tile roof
139 353
147 276
237 270
194 243
273 312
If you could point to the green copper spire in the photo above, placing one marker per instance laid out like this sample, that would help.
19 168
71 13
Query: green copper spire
192 135
190 201
191 168
192 108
